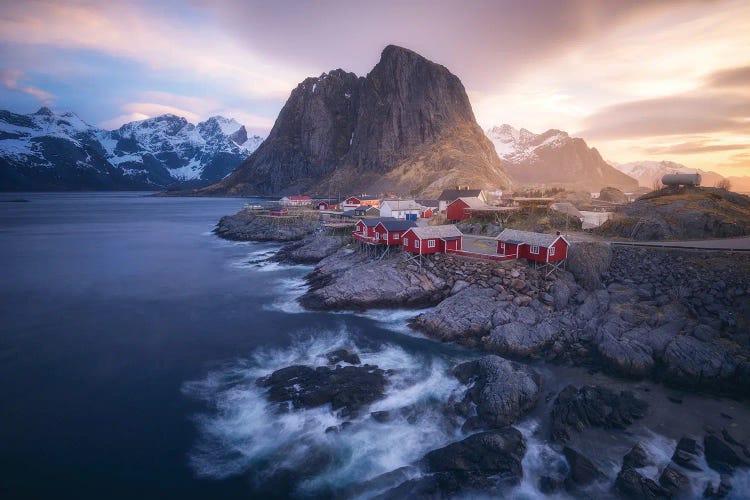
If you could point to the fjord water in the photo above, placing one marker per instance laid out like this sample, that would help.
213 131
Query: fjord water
118 311
131 338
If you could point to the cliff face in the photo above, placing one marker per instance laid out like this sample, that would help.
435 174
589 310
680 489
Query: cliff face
407 126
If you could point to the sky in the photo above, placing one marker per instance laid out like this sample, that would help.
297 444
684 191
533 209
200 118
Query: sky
640 80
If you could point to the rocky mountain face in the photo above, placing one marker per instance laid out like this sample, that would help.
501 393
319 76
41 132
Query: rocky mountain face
50 151
649 173
555 158
407 126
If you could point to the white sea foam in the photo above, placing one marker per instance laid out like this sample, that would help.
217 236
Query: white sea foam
289 290
243 432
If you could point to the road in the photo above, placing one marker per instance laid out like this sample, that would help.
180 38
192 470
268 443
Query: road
484 244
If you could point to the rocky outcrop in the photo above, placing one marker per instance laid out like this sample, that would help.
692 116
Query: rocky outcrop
588 262
489 462
311 250
500 391
345 388
407 126
352 280
682 214
247 225
612 195
576 409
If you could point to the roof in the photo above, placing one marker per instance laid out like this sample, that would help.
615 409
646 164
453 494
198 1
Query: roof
299 198
446 232
348 213
398 224
366 208
537 239
566 208
427 203
376 221
363 198
402 205
453 194
473 202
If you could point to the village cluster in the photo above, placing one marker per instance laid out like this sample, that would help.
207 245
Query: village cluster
386 224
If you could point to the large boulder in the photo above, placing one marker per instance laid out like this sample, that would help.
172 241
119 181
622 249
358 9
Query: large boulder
687 453
626 356
500 391
634 485
582 469
489 462
576 409
588 261
522 340
347 388
724 453
688 361
466 314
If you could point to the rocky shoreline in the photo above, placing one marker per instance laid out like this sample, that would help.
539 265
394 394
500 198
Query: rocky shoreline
676 317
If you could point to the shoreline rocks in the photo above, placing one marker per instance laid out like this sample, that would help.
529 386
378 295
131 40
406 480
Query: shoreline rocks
246 225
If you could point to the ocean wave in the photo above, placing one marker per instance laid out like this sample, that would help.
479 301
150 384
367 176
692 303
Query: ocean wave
244 434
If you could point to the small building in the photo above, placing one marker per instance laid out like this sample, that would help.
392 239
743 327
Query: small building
355 201
295 201
450 195
401 209
325 205
538 247
365 230
366 211
432 239
460 209
427 213
390 232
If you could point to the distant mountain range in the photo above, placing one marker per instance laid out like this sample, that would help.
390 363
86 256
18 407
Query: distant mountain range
406 127
50 151
648 173
555 158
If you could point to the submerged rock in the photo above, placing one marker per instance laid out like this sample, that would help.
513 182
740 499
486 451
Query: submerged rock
344 355
576 409
636 457
502 391
674 482
345 388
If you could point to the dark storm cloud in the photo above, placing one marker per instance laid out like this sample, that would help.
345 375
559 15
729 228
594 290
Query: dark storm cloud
484 42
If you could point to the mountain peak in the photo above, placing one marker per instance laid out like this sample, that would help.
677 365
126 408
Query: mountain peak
44 111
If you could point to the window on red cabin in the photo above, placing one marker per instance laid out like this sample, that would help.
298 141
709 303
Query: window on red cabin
535 249
406 242
502 247
396 236
551 251
430 243
416 243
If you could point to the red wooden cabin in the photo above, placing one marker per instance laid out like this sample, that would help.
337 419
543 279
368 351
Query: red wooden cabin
460 208
324 205
365 231
390 232
432 239
538 247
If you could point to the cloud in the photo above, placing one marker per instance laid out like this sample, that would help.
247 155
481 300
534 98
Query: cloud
694 147
730 77
702 111
194 109
160 40
741 160
11 80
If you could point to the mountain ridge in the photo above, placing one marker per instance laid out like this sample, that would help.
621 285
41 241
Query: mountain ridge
46 150
555 158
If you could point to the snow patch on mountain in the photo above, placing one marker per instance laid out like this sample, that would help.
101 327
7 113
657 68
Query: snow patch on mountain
154 152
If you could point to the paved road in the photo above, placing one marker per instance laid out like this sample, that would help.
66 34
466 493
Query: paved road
483 244
741 244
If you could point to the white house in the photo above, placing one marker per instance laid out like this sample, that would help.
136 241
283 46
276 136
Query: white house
401 209
295 201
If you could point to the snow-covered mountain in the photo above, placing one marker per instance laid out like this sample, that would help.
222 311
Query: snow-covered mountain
648 173
50 151
555 158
